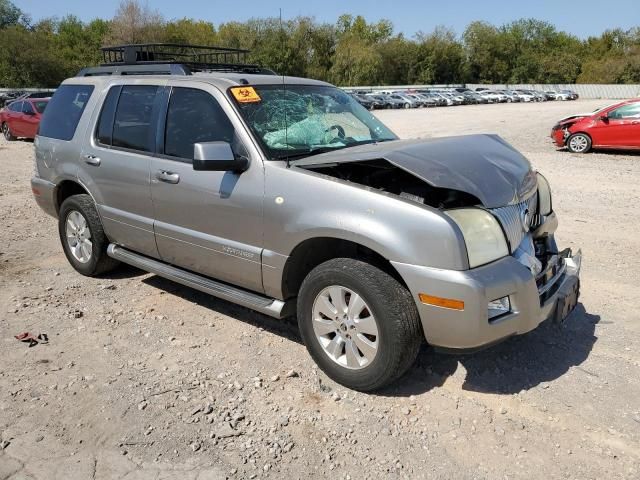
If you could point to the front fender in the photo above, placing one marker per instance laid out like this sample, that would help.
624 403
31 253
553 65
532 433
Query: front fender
300 205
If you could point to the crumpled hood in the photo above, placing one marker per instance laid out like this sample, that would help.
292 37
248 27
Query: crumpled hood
574 118
482 165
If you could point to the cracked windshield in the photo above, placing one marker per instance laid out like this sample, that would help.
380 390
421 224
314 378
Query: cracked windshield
299 120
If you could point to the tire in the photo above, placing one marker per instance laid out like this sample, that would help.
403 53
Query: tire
97 261
6 131
579 143
390 306
407 105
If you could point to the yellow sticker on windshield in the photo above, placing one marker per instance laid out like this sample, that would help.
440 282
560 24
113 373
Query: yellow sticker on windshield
245 94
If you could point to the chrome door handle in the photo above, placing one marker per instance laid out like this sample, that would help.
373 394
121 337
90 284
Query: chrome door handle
92 160
167 177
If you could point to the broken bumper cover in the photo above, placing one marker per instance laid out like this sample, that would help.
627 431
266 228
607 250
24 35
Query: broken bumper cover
471 329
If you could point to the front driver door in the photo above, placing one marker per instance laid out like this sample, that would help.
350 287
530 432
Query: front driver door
207 222
623 129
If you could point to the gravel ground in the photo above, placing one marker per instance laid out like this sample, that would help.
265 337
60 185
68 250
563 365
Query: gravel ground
146 379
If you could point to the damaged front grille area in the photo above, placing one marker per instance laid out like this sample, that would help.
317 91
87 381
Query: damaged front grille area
518 220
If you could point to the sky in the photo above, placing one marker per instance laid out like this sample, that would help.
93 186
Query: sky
582 18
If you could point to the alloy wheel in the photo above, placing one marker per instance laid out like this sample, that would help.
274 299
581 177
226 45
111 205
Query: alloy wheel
345 327
78 236
578 143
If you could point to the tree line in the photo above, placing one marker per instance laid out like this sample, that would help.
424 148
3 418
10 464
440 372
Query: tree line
349 52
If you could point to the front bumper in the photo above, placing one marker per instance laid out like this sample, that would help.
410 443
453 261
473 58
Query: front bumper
470 329
558 136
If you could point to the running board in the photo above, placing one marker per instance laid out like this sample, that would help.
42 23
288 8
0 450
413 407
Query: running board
268 306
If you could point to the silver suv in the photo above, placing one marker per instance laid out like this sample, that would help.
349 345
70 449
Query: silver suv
286 196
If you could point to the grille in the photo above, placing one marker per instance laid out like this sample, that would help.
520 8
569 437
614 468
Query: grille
510 217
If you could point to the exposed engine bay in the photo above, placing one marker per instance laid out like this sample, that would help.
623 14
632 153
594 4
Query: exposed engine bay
383 175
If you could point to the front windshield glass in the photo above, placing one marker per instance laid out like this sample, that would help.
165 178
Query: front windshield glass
300 120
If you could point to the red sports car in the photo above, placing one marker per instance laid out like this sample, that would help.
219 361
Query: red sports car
22 117
615 126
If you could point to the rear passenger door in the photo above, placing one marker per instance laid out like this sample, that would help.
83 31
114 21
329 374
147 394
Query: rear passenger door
116 159
207 222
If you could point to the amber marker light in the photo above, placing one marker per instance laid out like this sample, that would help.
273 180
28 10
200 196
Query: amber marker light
441 302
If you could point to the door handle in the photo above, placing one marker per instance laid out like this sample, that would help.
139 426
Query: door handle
167 177
635 122
92 160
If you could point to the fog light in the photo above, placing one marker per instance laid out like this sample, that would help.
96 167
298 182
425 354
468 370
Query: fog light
498 307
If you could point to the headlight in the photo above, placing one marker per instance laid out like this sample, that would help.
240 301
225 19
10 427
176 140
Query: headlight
482 234
544 196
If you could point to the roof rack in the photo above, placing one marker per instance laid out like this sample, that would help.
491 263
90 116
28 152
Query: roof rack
171 59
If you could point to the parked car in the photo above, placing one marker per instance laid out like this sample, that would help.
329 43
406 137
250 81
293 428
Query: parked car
564 96
438 100
407 101
8 97
427 100
367 102
235 186
489 96
572 95
387 101
21 118
512 97
525 96
552 95
613 127
471 98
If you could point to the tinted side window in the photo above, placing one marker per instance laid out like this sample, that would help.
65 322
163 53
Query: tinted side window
626 111
27 108
15 107
63 113
107 114
132 125
194 116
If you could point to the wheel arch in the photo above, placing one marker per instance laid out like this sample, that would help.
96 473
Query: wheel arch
67 188
571 134
313 251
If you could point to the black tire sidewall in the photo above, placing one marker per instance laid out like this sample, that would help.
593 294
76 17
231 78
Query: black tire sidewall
79 204
377 373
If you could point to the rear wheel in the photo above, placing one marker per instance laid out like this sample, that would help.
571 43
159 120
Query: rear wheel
83 239
6 131
579 143
359 324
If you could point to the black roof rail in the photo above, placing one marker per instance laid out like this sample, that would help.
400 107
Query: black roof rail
171 59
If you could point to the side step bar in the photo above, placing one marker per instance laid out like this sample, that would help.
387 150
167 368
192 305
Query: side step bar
268 306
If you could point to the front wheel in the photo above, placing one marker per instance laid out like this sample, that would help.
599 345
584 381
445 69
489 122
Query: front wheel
579 143
83 239
6 131
359 324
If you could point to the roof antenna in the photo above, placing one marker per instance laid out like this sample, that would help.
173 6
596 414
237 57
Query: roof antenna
284 96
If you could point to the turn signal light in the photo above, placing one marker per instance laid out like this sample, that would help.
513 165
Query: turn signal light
441 302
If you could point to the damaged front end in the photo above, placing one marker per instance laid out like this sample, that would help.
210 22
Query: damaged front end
504 212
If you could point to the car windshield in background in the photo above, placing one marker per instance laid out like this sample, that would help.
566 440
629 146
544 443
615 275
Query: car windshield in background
40 106
300 120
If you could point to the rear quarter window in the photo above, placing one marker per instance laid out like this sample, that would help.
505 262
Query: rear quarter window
64 110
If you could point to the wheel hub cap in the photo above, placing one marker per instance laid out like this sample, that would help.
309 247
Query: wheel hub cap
78 236
345 327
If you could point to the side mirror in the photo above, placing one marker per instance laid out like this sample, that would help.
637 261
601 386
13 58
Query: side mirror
604 118
31 113
217 157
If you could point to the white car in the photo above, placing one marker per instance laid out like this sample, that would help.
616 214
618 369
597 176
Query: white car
526 97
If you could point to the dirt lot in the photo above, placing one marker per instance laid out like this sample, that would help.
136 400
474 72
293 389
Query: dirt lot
145 379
